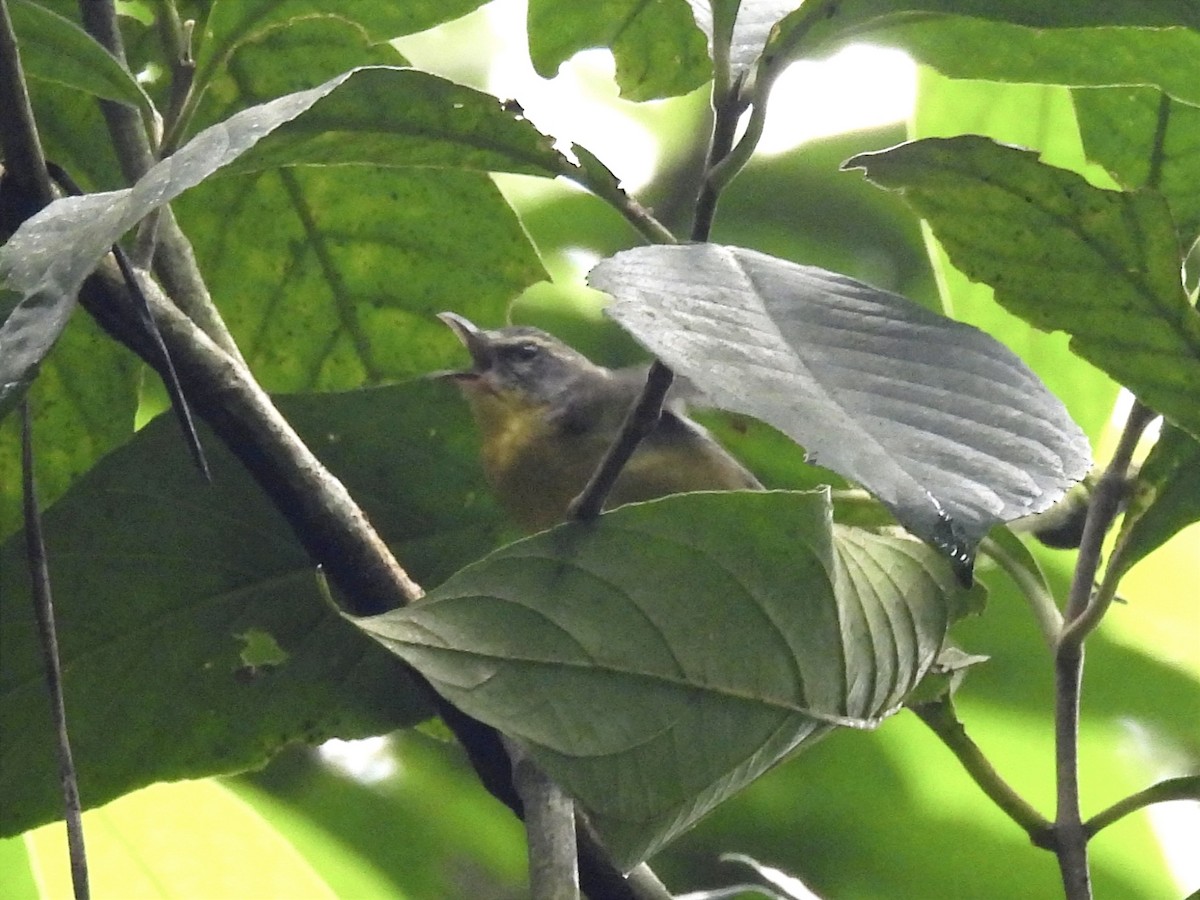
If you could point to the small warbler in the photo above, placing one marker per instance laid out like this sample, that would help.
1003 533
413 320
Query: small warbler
547 415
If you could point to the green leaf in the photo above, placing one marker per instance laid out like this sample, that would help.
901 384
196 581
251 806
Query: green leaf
658 48
52 252
83 404
1167 497
1102 265
140 845
960 47
232 24
1146 139
657 661
865 380
331 277
191 569
438 124
820 26
56 49
1040 117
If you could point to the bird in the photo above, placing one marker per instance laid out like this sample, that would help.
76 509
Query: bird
547 414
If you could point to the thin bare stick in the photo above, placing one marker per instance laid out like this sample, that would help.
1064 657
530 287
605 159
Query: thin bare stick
640 421
43 607
943 721
1185 787
24 162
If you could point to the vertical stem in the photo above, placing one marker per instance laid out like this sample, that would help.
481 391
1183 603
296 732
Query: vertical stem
1070 836
1082 615
726 112
43 607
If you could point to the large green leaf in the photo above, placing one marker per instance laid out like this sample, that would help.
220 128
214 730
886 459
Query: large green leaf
479 251
233 23
404 117
83 403
1102 265
820 25
659 660
962 47
329 276
52 252
193 635
56 49
658 49
1146 139
1040 117
941 422
140 846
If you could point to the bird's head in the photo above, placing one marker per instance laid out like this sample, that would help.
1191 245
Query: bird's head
517 368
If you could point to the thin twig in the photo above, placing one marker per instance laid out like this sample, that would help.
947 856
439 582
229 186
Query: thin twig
644 415
943 721
640 421
176 37
598 178
1185 787
1083 613
1041 601
43 606
174 261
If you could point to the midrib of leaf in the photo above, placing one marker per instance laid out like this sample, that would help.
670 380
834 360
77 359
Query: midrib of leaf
718 690
346 310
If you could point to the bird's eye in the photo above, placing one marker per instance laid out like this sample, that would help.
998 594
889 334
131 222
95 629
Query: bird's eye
524 352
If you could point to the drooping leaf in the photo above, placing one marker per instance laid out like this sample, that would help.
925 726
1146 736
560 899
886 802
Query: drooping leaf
1146 139
657 661
1104 266
1167 497
56 49
949 429
658 49
164 673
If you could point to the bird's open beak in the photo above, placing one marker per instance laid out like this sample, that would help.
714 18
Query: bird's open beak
476 341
